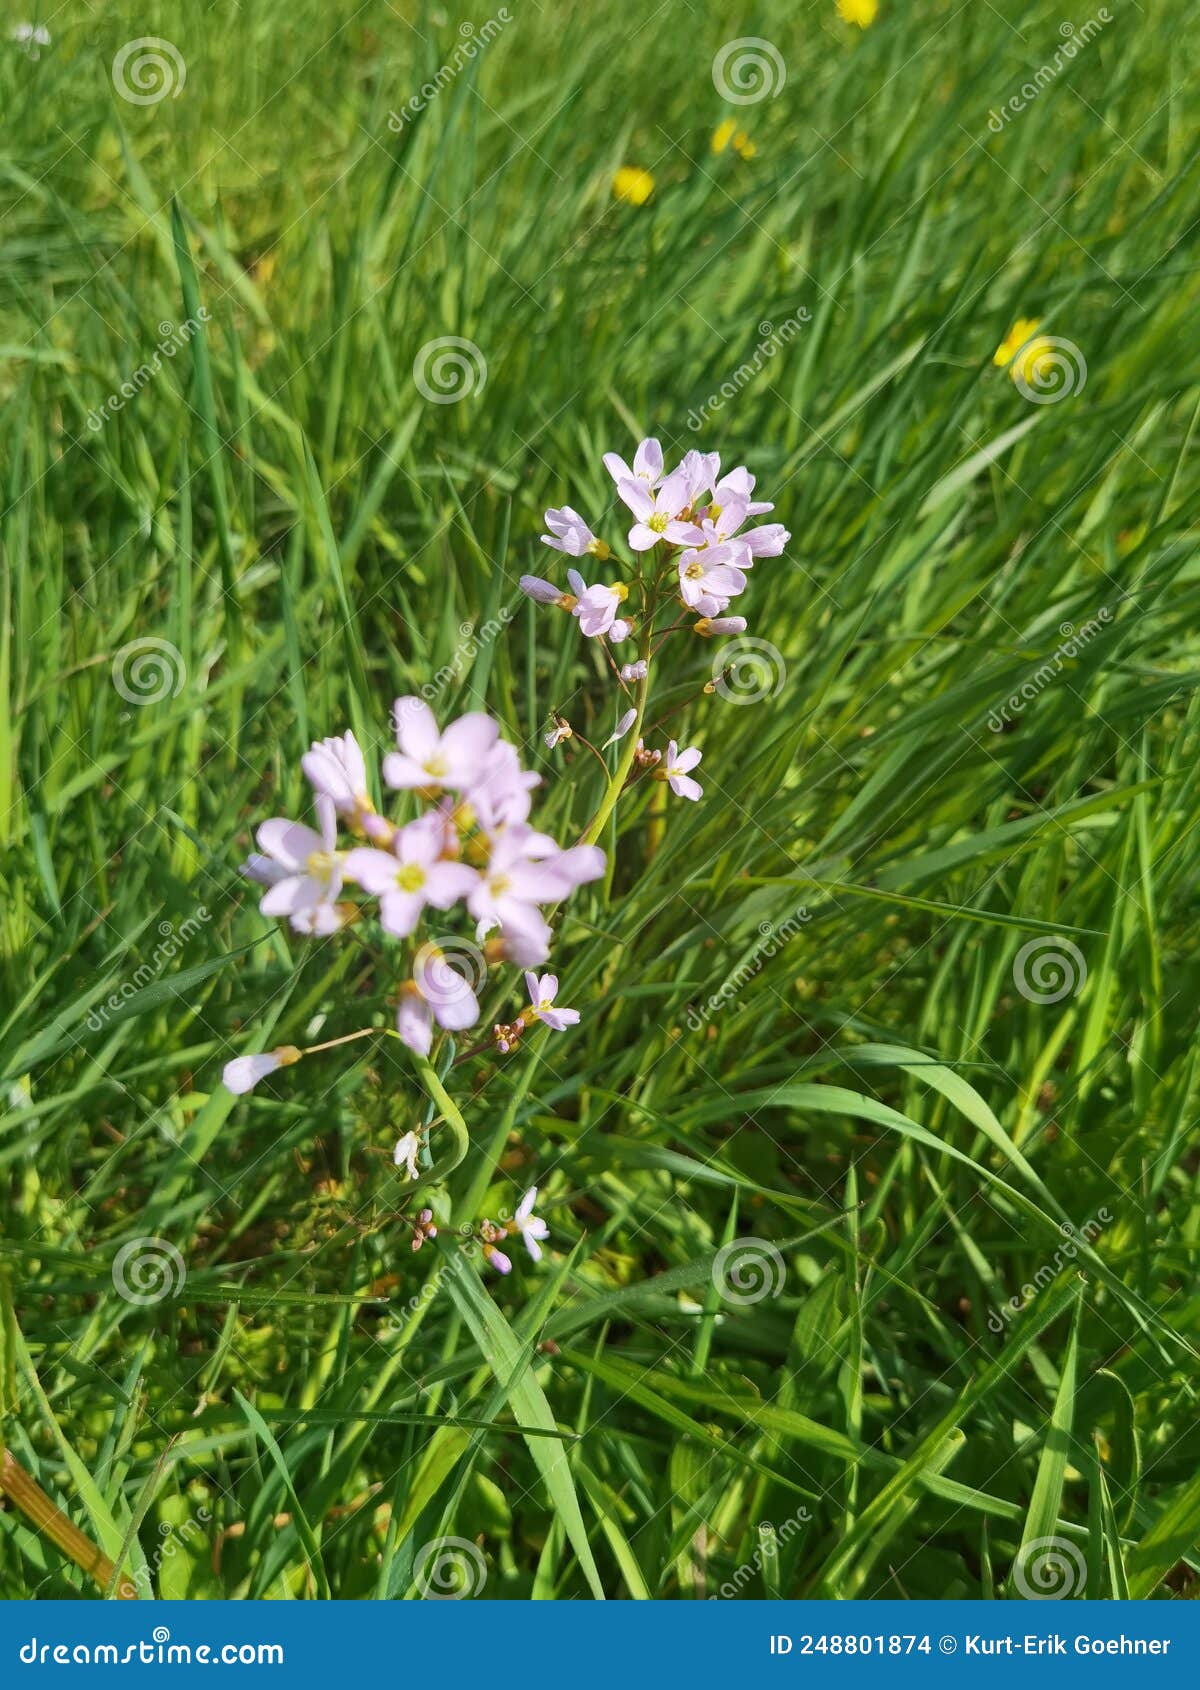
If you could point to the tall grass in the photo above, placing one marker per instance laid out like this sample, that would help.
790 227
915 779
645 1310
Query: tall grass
811 1014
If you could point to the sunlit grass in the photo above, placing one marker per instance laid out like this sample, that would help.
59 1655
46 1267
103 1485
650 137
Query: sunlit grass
811 1001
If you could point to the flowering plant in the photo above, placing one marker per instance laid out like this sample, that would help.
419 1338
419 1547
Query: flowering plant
470 858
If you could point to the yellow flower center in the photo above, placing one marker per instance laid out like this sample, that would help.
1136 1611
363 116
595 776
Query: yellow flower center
658 522
320 865
694 570
411 877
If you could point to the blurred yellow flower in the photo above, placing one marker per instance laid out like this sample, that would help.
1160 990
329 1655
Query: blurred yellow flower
728 132
861 12
632 184
1023 350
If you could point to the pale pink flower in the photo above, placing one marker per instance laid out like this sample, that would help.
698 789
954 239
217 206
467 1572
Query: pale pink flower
739 484
530 1226
634 671
496 1258
624 723
675 770
718 527
562 730
701 470
427 758
512 887
647 464
768 540
410 875
500 794
405 1154
542 993
708 573
708 627
596 607
541 591
263 870
620 630
436 992
307 870
657 514
570 533
244 1072
337 771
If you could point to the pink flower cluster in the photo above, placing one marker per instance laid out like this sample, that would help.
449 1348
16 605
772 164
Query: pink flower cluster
695 514
472 845
692 553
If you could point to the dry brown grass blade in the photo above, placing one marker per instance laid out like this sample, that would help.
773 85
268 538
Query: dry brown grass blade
26 1494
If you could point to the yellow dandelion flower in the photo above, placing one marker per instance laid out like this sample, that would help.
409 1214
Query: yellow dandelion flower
632 185
728 134
860 12
1023 350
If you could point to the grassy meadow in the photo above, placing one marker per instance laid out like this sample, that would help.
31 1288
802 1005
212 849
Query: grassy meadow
871 1169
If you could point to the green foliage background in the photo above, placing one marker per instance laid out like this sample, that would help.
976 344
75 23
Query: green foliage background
944 1374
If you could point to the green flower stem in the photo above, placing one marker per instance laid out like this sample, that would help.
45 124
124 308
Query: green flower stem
453 1119
625 763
